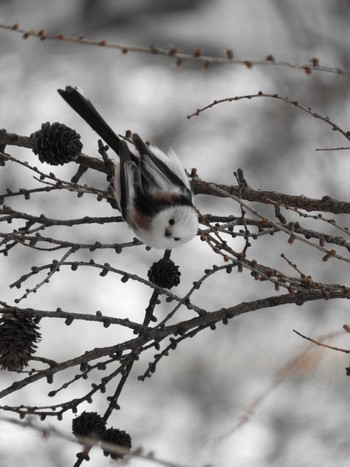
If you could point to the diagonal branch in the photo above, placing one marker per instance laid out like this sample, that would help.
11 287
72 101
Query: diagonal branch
174 52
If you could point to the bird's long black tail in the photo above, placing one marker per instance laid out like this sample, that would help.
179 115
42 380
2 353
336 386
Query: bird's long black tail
87 111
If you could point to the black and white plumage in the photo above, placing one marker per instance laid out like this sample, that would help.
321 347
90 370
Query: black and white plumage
151 188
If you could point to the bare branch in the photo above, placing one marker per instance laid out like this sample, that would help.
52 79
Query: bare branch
174 53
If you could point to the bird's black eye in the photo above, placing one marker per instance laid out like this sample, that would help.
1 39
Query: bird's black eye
171 221
177 239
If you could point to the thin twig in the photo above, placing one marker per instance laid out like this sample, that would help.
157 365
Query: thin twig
174 53
338 349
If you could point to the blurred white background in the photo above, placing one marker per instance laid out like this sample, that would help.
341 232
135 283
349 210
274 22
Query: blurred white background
187 412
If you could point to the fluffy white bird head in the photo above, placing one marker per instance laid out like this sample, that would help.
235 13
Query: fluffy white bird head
170 228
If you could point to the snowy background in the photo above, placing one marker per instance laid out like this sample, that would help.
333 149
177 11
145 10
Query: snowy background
187 412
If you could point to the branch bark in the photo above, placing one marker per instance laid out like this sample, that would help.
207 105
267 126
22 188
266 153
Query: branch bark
201 187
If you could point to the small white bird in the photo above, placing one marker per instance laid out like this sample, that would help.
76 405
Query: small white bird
151 188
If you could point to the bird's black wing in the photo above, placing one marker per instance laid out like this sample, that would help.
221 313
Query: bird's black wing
156 173
130 181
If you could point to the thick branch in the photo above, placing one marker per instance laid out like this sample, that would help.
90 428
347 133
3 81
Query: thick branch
326 204
12 139
223 314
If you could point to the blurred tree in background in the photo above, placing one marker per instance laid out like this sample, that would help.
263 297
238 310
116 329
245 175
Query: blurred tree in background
245 92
